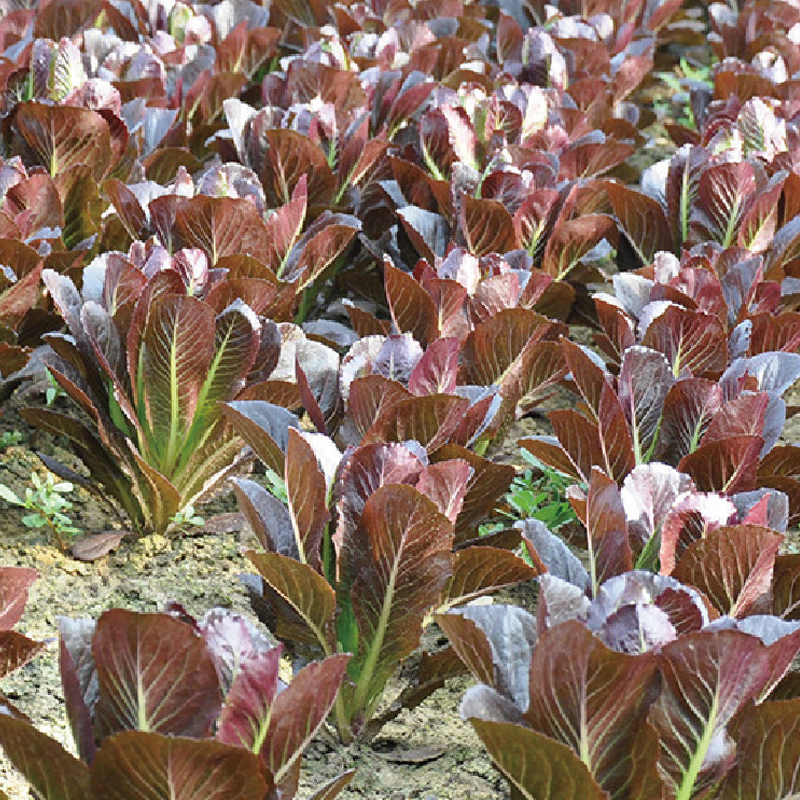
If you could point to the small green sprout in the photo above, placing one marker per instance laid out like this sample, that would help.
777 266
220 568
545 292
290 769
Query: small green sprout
9 439
46 503
185 517
276 485
538 493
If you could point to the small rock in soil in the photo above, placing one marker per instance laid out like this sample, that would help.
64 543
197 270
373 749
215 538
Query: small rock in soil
419 755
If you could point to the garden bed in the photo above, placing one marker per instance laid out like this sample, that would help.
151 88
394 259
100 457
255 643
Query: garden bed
399 400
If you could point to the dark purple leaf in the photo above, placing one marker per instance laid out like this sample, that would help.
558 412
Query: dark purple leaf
733 567
296 715
268 517
597 706
304 589
643 221
768 750
707 678
607 531
644 380
400 558
727 465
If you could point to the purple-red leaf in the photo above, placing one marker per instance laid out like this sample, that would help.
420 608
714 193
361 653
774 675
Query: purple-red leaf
548 450
572 240
786 586
16 650
289 157
14 585
727 465
488 482
607 531
53 773
148 766
412 308
492 352
307 491
436 371
644 381
539 768
733 567
470 644
642 219
431 420
592 699
487 226
579 439
691 340
586 373
63 136
400 558
264 427
297 713
154 675
724 194
616 444
446 484
768 751
221 226
245 717
479 571
707 678
304 589
688 409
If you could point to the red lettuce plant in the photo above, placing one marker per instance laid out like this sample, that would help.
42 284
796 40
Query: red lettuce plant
325 136
687 720
147 361
733 183
512 209
452 392
23 313
164 706
745 30
659 521
696 198
658 700
357 564
387 388
276 264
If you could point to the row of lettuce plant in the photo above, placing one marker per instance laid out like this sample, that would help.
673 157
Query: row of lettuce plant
145 96
697 353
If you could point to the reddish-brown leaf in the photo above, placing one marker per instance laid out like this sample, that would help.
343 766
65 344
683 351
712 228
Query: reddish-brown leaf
733 567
